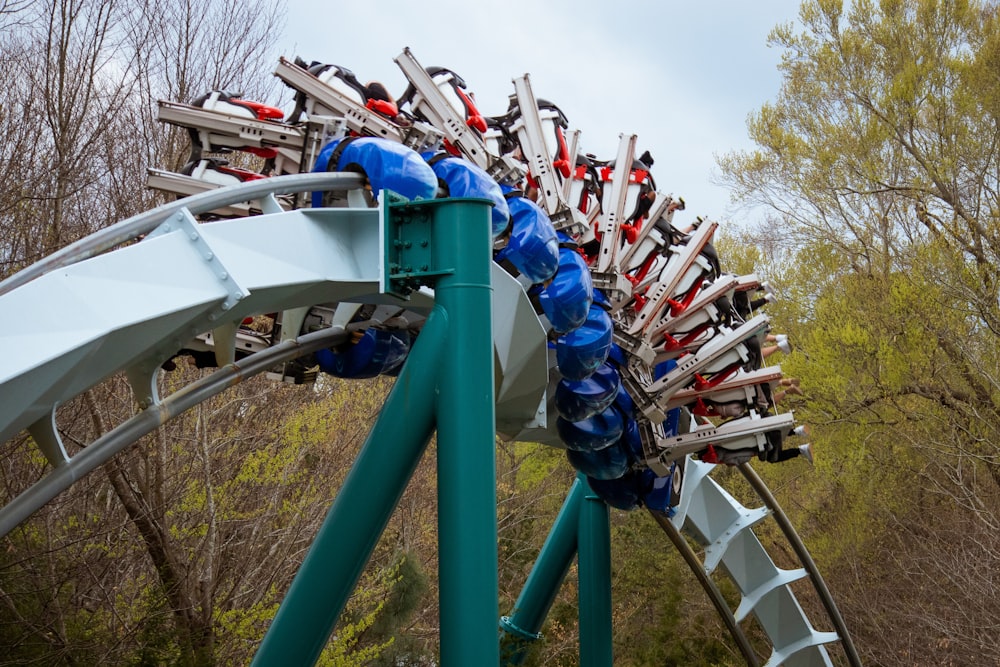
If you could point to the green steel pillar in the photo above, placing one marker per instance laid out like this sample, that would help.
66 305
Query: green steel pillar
594 552
466 459
447 381
525 623
344 543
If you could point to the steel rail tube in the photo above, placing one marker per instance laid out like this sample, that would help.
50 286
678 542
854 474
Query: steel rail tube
103 448
807 561
714 594
130 229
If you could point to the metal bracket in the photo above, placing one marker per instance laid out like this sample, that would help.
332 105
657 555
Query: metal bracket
431 103
658 220
614 204
635 346
717 549
741 381
46 436
184 222
701 360
406 229
357 117
742 434
531 137
675 270
615 285
142 378
225 130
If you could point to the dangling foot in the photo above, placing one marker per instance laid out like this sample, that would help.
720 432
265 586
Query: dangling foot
806 452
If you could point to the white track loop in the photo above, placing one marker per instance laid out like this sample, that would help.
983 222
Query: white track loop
131 309
722 526
100 307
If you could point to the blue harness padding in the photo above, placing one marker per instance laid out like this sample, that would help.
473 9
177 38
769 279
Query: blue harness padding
657 492
567 299
664 367
608 463
624 402
377 351
616 356
580 399
671 425
624 492
597 432
533 248
581 351
631 441
465 179
386 164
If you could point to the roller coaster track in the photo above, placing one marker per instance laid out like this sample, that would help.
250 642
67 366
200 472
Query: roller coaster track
127 298
723 528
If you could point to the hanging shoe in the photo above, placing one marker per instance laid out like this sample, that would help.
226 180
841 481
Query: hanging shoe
806 452
785 346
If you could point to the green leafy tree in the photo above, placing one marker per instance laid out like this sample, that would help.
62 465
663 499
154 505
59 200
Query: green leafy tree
879 163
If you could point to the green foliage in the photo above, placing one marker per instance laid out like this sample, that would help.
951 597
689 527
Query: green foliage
879 157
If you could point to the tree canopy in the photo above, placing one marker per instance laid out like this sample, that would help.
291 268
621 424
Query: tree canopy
878 163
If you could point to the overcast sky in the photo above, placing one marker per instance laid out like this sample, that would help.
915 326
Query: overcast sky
683 76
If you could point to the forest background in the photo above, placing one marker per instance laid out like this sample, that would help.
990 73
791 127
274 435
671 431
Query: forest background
878 167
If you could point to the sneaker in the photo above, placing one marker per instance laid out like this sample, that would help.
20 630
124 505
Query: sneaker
789 382
806 452
780 337
801 430
785 346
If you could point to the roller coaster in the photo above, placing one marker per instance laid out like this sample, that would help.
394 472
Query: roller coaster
514 286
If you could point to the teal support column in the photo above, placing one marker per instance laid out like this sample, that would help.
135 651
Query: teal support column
466 443
524 624
361 510
594 553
